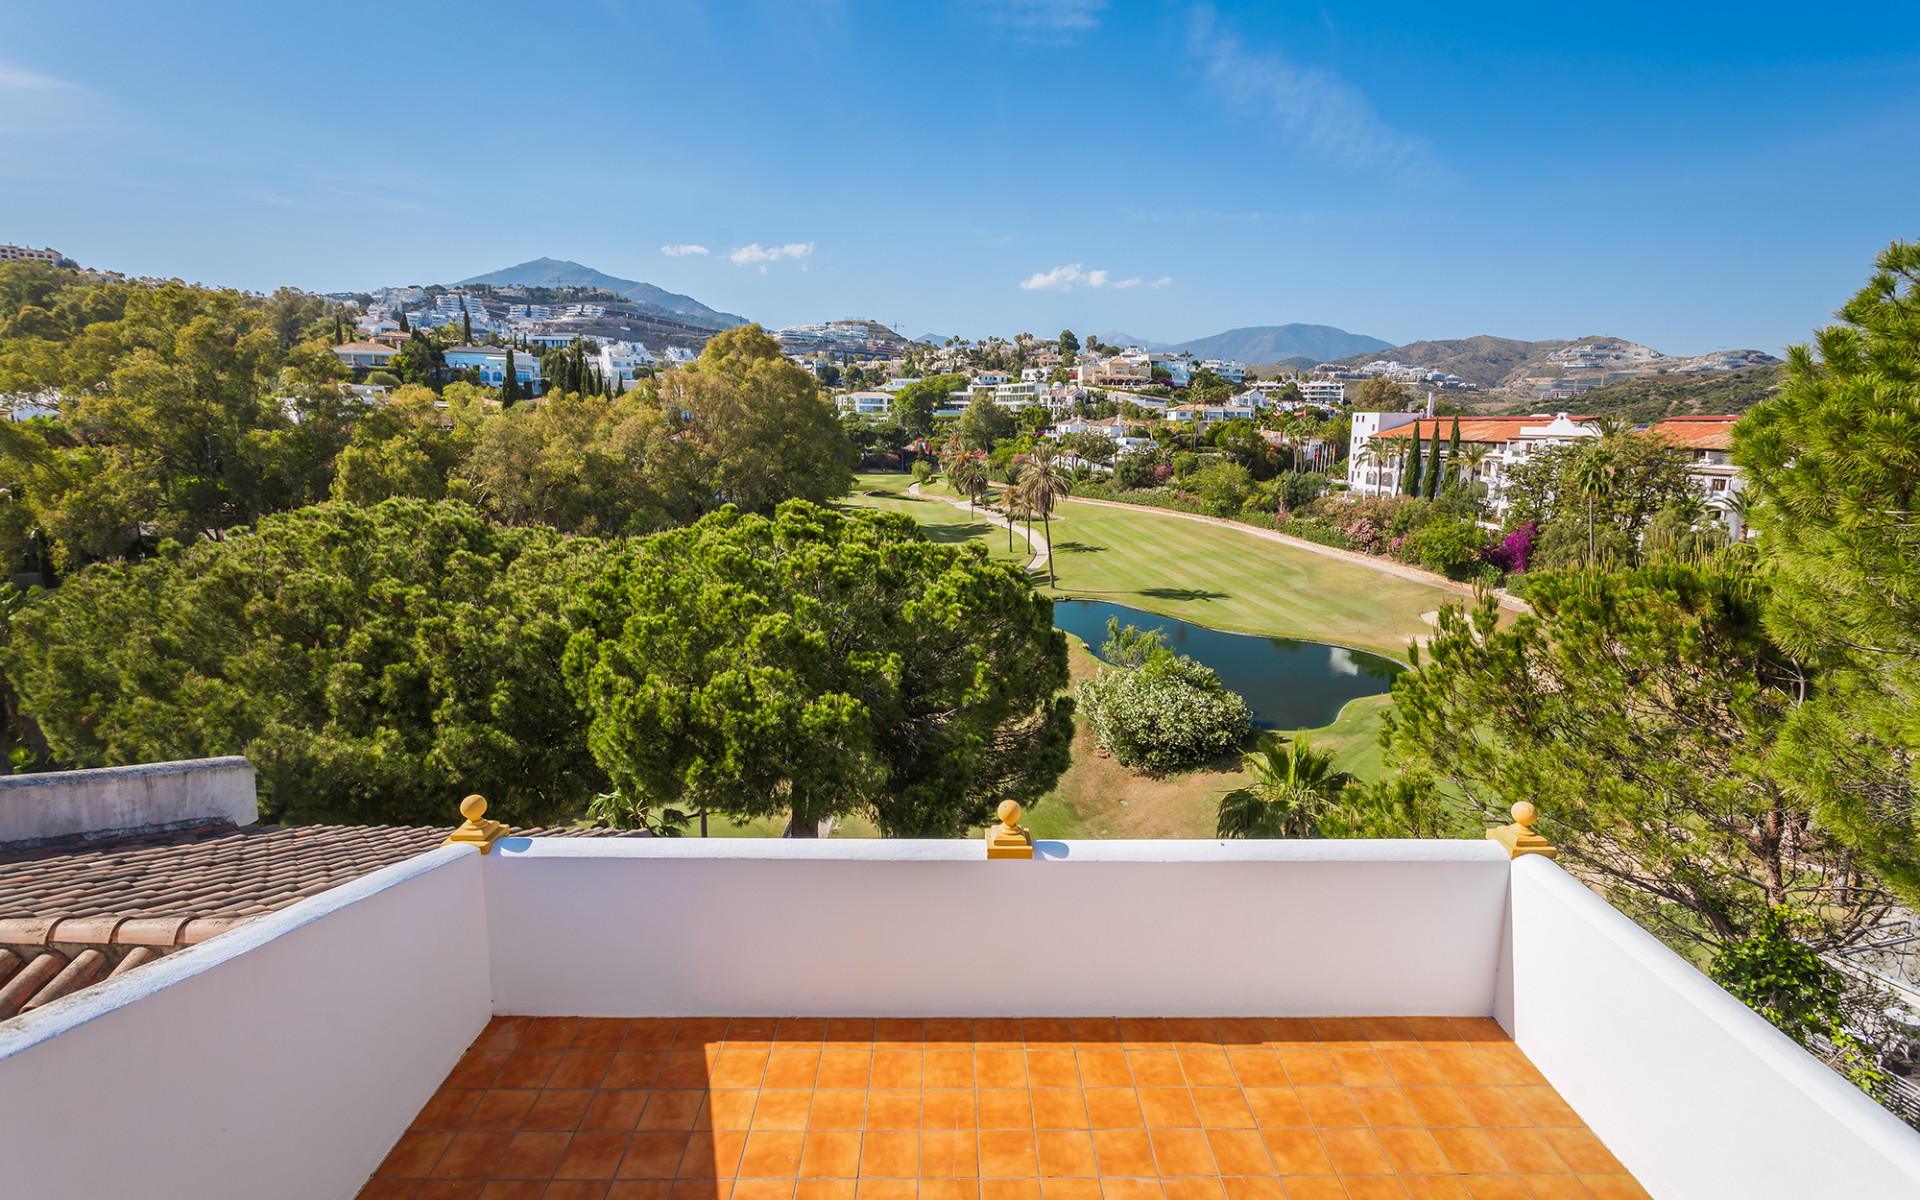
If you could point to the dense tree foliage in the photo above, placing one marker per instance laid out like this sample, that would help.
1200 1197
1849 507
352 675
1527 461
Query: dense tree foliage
1158 710
817 664
375 664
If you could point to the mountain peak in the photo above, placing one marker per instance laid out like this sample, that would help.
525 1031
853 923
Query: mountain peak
559 273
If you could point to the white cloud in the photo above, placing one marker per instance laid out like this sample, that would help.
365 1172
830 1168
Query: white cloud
681 250
1161 282
756 253
1043 19
1065 279
34 103
1314 105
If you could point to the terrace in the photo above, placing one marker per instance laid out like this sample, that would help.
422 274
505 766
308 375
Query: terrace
781 1020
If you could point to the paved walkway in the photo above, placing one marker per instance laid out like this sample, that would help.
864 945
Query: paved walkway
1036 541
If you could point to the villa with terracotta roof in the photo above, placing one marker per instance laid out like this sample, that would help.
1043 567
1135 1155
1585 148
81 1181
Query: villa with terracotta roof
337 1012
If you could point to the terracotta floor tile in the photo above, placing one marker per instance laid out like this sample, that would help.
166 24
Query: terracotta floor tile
1470 1151
1435 1187
1144 1033
899 1033
1253 1187
1168 1108
948 1109
1411 1067
550 1033
600 1033
1583 1151
1374 1187
762 1189
477 1069
1491 1106
1308 1068
1000 1068
1277 1108
1481 1031
698 1032
1239 1152
1240 1031
1025 1188
1319 1187
1069 1188
1330 1107
1006 1154
1005 1108
653 1155
998 1033
1207 1068
1289 1033
1383 1032
1297 1151
741 1069
1052 1068
681 1189
1193 1033
1360 1068
1438 1106
890 1155
471 1155
800 1031
1495 1187
1384 1106
749 1033
389 1189
1103 1068
633 1069
824 1189
414 1155
573 1189
1133 1189
1543 1106
558 1109
1355 1152
1113 1108
713 1154
1461 1066
949 1189
728 1108
1095 1032
1046 1033
1222 1108
650 1033
1124 1152
1181 1152
947 1069
1412 1151
448 1109
671 1110
1614 1187
1059 1108
838 1108
591 1156
1196 1187
1065 1152
1510 1067
950 1033
1527 1152
950 1154
830 1155
494 1189
683 1069
792 1069
898 1069
843 1068
895 1110
1338 1032
1257 1068
771 1154
502 1033
1156 1068
532 1156
784 1109
1557 1187
502 1108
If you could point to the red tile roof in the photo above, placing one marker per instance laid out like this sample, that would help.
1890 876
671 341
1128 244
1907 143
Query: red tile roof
1698 433
1472 429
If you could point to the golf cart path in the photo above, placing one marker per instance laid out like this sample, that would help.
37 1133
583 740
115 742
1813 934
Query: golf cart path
1036 542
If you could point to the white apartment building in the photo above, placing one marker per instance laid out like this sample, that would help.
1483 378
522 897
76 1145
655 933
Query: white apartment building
867 404
1235 372
22 254
1329 392
623 361
491 362
1376 460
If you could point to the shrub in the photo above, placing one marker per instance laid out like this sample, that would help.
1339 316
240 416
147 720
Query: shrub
1445 546
1222 488
1512 553
383 379
1133 470
1297 489
1311 529
1166 714
922 470
1184 464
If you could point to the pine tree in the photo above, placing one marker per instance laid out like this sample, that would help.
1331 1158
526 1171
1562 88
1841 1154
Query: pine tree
1430 482
1410 475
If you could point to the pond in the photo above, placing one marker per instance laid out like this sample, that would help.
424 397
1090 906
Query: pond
1288 684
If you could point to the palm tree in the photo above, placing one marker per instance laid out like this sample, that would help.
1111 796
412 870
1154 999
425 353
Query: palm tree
1295 788
966 473
1043 484
1738 505
1473 456
1593 475
1612 429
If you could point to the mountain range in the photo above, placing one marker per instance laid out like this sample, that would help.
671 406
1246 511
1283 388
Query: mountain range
1265 343
556 273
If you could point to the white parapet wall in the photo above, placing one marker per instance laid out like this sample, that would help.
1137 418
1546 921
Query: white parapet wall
603 927
1694 1092
111 800
281 1059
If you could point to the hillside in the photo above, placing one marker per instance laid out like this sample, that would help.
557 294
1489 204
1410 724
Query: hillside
1276 343
553 272
1485 360
1653 397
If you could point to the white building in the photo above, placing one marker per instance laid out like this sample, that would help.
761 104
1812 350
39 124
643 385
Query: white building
1230 370
491 362
365 354
1329 392
624 361
1376 463
867 404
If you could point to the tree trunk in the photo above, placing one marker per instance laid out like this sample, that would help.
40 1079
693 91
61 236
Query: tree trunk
797 828
1046 522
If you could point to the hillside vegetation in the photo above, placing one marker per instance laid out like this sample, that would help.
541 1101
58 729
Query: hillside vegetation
1654 397
1485 360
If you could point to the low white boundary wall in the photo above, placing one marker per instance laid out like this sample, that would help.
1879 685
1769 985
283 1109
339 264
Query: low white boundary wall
281 1059
678 927
1694 1092
102 800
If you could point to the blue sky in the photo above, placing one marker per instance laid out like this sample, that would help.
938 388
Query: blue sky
1690 176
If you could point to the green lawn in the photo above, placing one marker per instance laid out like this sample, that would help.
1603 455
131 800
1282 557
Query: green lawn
942 521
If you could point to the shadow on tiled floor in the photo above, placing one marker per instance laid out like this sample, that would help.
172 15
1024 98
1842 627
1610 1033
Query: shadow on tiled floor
996 1109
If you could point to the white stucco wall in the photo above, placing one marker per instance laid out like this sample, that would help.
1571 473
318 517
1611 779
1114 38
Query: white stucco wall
281 1059
1697 1095
907 928
124 799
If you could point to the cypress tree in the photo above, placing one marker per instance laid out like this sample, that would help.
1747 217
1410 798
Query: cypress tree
1431 480
509 386
1453 453
338 337
404 327
466 328
1410 475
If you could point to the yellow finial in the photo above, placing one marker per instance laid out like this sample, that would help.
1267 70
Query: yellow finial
1519 837
1008 839
476 830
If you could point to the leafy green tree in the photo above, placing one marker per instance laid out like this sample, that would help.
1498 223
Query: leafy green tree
1294 792
1644 473
1833 461
1379 394
984 424
1787 982
817 664
914 405
375 664
1642 712
1222 487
